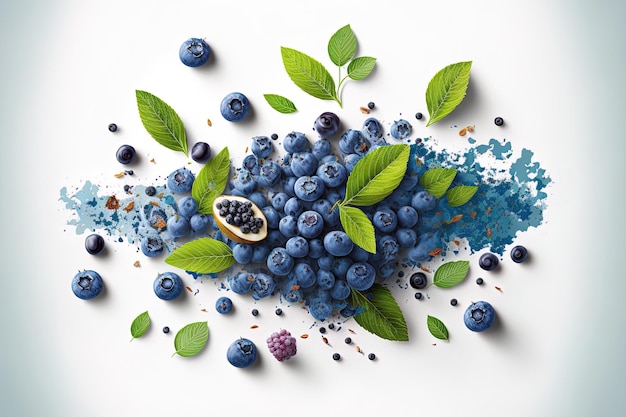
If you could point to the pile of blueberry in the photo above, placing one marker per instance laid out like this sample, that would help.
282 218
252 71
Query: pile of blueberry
240 214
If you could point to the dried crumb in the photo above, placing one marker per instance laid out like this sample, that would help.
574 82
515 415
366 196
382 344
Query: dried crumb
325 341
129 207
254 326
153 161
364 110
498 288
434 344
358 349
136 264
209 122
351 331
203 310
119 175
188 289
112 203
304 336
470 128
463 132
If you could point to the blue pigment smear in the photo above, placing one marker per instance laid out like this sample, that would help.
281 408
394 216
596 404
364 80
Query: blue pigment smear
511 198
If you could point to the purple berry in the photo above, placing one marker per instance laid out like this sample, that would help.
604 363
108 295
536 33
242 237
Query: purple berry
282 345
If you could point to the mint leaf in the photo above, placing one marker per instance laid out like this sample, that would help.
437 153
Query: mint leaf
446 90
376 175
437 180
437 328
211 181
450 274
460 194
280 104
191 339
359 68
309 74
202 256
342 46
358 227
381 315
161 121
140 325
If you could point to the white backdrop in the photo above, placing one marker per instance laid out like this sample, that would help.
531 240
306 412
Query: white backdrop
552 69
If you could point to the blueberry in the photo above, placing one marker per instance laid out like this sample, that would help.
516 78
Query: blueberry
150 191
499 121
194 52
187 206
325 209
341 290
322 330
241 353
168 286
479 316
295 142
359 254
371 356
155 217
322 149
305 275
372 129
263 286
166 329
320 310
371 105
251 163
453 302
407 216
326 262
326 125
152 245
87 284
254 312
178 226
400 129
260 253
325 279
387 246
387 268
279 200
418 295
309 188
361 276
479 281
488 261
348 340
385 220
269 174
332 173
94 244
112 127
272 216
350 139
235 107
340 266
423 201
243 253
428 244
199 223
244 182
125 154
297 246
241 282
337 243
279 262
224 305
127 188
274 136
418 280
336 356
303 164
406 238
201 152
288 226
310 224
278 311
419 116
350 161
519 254
180 181
261 146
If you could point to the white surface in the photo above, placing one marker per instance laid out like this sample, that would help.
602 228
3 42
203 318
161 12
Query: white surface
70 68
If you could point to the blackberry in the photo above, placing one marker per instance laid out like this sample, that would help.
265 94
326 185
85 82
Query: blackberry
282 345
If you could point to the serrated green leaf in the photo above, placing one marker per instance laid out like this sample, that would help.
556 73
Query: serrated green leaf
140 325
460 194
280 104
211 181
342 46
376 175
202 256
446 90
437 328
161 121
191 339
359 68
437 180
450 274
381 315
308 74
358 227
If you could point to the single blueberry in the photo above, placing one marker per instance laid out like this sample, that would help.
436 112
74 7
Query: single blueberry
479 316
309 188
297 246
336 356
245 182
316 248
178 226
152 245
320 310
332 173
400 129
278 200
125 154
168 286
295 142
94 244
371 105
325 279
519 254
241 283
187 206
199 223
479 281
328 213
341 290
201 152
223 305
419 116
279 262
361 276
288 226
303 164
194 52
385 220
453 302
150 191
407 216
263 285
488 261
322 149
87 284
372 129
499 121
235 107
305 275
406 238
326 125
337 243
112 127
243 253
166 329
418 280
269 174
423 201
261 146
241 353
310 224
180 181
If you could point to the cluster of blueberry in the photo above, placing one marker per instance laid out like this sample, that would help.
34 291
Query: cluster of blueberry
308 255
240 214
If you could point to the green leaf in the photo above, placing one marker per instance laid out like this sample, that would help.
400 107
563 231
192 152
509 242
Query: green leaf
381 315
437 328
359 68
202 256
446 90
191 339
280 104
342 46
140 325
308 74
161 121
460 194
376 175
437 180
358 227
211 181
450 274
